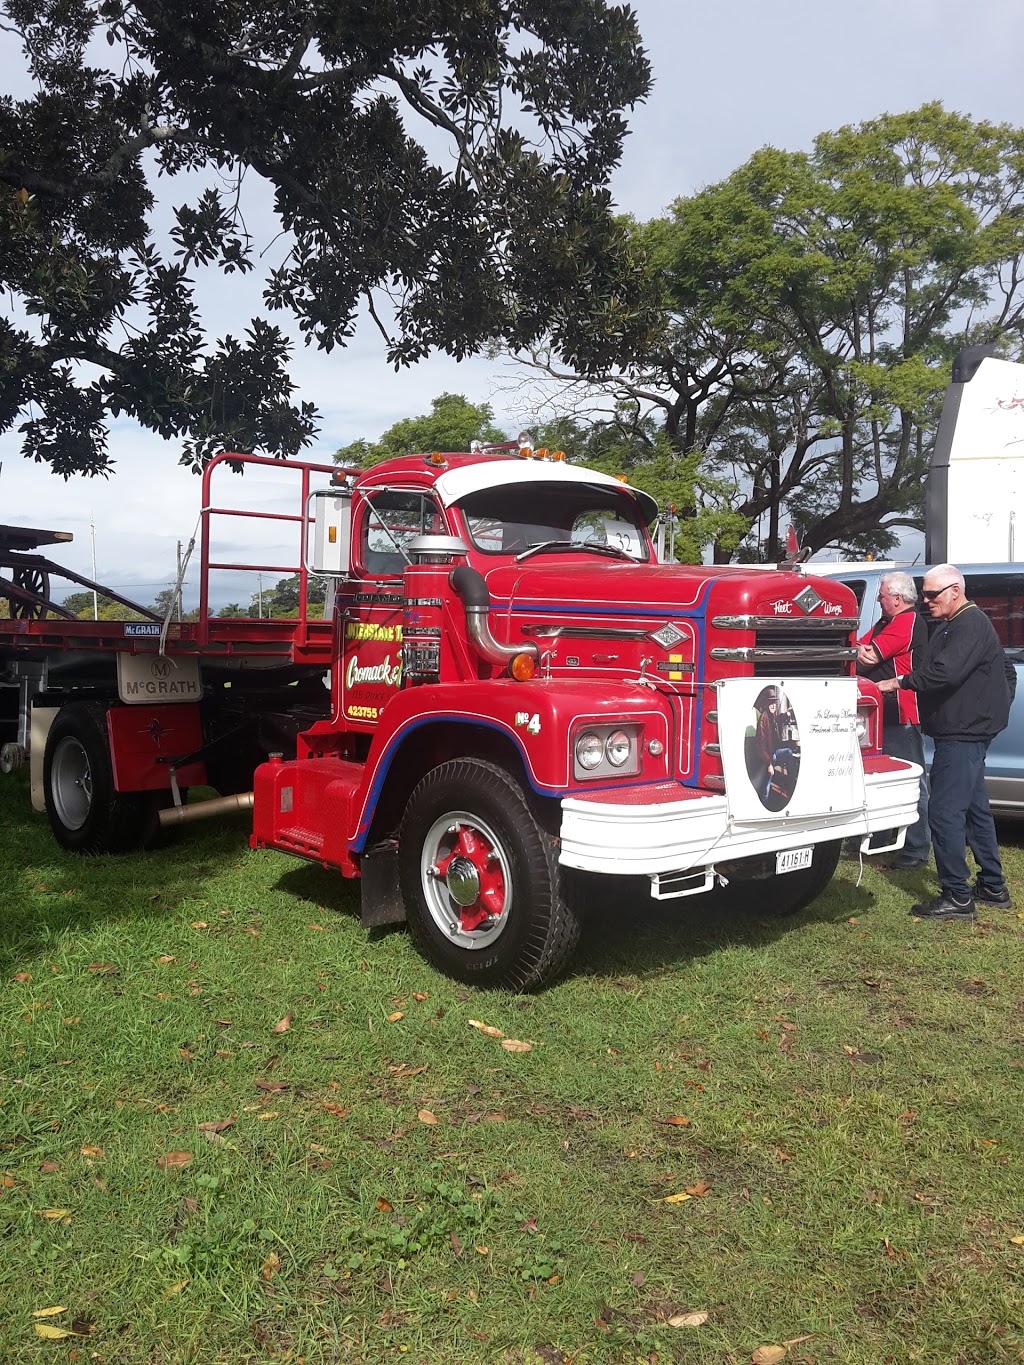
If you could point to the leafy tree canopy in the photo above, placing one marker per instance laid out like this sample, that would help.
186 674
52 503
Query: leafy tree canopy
812 304
452 423
443 165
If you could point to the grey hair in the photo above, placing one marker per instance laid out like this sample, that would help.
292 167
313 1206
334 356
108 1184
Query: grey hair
949 573
902 585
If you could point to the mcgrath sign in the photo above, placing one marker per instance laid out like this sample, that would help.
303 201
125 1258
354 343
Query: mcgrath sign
149 678
789 747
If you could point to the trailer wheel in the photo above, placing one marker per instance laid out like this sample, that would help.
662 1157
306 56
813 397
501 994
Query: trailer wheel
786 894
480 879
86 814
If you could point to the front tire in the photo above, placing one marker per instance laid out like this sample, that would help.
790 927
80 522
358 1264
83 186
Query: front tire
86 813
482 887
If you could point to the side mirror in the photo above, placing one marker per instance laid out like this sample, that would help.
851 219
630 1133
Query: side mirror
329 519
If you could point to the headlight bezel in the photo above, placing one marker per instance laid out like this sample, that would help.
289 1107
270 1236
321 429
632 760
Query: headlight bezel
594 734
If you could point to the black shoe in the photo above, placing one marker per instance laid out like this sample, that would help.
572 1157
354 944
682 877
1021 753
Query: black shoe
999 899
901 862
944 907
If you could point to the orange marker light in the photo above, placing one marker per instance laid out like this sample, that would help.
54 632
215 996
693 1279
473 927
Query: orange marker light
437 458
541 454
523 667
558 455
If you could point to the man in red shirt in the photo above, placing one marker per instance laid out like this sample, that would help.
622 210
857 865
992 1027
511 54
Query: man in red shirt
888 651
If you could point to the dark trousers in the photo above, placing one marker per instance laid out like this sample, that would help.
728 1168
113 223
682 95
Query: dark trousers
907 742
959 815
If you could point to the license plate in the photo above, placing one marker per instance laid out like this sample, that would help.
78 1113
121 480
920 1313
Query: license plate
793 859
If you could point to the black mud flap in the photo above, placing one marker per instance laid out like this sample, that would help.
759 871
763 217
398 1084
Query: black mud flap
381 901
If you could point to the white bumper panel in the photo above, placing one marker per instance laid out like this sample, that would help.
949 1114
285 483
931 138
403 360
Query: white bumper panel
675 836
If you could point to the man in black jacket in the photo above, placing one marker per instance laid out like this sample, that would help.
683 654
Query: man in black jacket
965 685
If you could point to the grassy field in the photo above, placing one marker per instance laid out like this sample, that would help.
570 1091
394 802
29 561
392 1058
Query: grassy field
234 1126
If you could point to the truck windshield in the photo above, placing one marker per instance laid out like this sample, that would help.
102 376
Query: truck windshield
509 520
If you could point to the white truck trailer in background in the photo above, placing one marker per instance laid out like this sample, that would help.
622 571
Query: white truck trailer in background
974 510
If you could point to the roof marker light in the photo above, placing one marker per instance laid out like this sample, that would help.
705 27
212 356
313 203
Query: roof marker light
436 459
558 455
542 453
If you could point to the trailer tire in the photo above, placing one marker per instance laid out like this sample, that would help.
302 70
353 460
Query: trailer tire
469 828
784 895
86 813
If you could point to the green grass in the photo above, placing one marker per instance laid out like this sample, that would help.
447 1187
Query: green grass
852 1079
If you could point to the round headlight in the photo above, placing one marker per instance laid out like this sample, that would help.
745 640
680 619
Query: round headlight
589 750
617 748
863 739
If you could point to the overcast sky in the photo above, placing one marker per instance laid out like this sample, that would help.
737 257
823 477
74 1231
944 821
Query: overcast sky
729 78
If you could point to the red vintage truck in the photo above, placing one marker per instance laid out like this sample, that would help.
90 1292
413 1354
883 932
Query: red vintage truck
513 704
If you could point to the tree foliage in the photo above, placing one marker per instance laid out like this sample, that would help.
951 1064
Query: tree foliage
812 304
452 423
441 165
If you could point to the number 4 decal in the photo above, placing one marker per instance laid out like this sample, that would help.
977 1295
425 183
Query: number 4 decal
530 723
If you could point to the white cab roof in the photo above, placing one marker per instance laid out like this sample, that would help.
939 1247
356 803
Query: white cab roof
456 484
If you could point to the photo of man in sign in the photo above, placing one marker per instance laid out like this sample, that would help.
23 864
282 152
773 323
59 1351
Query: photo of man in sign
773 749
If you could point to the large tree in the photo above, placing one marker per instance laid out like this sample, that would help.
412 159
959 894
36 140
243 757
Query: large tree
452 423
812 304
441 164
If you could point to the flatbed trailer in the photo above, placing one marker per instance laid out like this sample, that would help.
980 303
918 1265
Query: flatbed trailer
224 666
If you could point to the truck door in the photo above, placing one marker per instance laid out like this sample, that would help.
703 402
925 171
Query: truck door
371 651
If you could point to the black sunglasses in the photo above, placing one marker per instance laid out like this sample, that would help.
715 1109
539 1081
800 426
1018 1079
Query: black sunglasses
930 594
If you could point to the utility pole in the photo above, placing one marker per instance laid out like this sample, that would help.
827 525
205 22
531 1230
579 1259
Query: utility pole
95 600
260 595
177 585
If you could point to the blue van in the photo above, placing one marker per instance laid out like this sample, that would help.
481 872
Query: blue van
999 590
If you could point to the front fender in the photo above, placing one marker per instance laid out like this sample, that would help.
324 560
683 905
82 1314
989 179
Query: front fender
538 718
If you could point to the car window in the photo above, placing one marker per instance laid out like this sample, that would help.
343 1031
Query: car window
1001 597
859 588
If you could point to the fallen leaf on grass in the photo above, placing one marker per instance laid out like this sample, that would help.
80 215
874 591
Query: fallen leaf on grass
102 968
92 1151
283 1025
783 1155
200 924
488 1029
54 1213
270 1266
688 1319
23 977
173 1289
404 1070
395 1016
420 995
676 1121
272 1086
425 1116
680 1198
268 1114
48 1167
48 1312
7 1181
768 1355
482 1251
515 1045
337 1110
700 1189
316 926
51 1333
174 1161
166 958
216 1127
1017 1241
